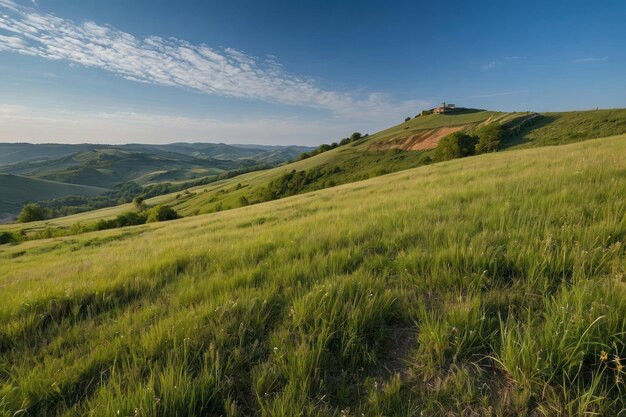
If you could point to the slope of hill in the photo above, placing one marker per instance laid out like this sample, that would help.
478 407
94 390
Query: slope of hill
15 191
491 285
568 127
378 154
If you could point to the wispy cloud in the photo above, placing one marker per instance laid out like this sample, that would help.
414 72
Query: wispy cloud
507 60
592 59
174 62
489 65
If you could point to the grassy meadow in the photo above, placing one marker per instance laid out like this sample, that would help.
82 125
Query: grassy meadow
491 285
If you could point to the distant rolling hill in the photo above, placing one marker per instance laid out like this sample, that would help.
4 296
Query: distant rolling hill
17 190
106 166
19 153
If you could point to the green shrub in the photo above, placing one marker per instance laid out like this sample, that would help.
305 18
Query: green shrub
489 137
139 203
130 219
456 145
31 213
161 213
6 237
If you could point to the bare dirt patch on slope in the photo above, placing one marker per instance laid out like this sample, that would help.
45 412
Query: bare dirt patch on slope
420 141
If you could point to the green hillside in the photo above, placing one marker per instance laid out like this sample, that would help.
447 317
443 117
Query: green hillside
20 153
15 191
383 153
491 285
110 166
371 156
568 127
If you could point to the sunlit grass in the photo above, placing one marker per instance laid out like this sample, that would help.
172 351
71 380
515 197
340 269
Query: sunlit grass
489 285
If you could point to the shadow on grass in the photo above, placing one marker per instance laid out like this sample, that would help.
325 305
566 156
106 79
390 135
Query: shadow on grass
517 135
462 110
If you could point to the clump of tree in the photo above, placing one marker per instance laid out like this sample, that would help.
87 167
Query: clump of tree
295 182
161 213
456 145
489 137
32 212
129 218
407 119
325 147
158 213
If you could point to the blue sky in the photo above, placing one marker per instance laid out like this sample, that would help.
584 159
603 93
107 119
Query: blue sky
293 72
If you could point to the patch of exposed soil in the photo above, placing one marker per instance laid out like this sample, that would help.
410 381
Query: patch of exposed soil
420 141
397 350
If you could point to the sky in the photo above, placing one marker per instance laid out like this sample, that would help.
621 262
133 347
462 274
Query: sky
293 72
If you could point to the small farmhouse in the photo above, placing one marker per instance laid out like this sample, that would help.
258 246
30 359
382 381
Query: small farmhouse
443 108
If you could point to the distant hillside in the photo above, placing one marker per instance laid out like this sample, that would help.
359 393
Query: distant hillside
16 190
16 153
107 166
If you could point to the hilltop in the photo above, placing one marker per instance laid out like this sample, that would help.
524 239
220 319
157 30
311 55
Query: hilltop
490 285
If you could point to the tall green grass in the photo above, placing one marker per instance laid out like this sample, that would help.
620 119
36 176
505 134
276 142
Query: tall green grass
484 286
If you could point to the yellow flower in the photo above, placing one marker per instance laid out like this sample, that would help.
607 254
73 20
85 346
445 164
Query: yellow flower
604 356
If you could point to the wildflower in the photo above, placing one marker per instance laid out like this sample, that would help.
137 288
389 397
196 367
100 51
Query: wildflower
618 364
604 356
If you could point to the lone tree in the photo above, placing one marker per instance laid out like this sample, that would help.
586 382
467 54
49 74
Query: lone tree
456 145
32 212
489 137
407 119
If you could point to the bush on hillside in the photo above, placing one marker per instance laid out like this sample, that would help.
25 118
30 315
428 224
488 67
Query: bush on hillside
6 237
456 145
125 219
139 203
161 213
31 213
489 137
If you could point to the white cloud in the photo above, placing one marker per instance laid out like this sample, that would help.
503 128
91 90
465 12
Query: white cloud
489 65
592 59
174 62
